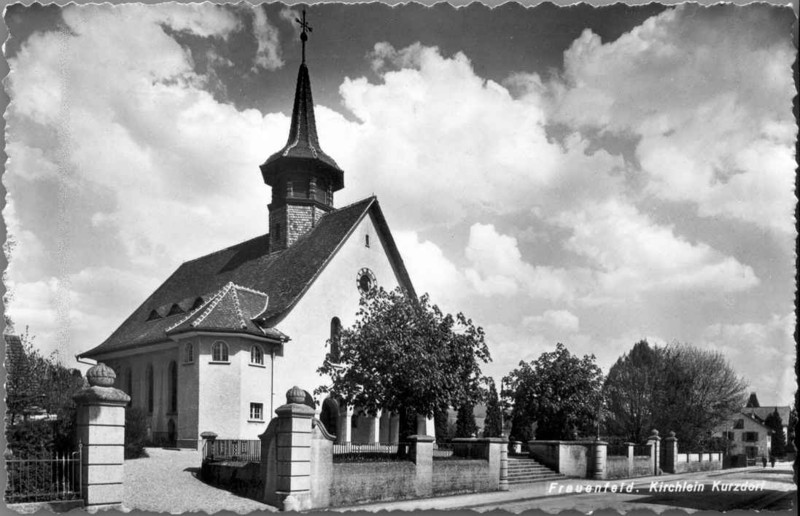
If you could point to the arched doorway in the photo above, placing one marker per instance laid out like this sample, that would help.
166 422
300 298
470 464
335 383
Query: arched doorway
329 415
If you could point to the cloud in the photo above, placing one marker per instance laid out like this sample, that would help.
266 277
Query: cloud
268 55
559 320
631 254
758 348
705 95
497 268
427 143
431 271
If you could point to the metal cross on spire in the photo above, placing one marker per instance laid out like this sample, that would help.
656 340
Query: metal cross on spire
303 36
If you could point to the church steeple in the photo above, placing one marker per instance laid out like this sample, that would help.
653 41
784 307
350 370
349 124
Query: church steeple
303 178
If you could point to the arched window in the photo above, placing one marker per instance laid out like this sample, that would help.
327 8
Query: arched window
219 352
150 388
173 387
256 355
336 334
188 353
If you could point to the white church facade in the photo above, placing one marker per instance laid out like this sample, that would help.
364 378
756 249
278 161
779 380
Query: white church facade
220 342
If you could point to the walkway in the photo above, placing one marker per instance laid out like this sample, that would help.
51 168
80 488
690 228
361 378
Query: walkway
166 482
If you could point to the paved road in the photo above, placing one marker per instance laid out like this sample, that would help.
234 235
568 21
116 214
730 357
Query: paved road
166 482
773 490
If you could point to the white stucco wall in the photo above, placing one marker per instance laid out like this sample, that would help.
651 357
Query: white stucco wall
227 389
333 294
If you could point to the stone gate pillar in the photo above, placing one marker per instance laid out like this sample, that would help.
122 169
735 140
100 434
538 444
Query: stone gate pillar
670 453
654 441
600 453
101 429
293 435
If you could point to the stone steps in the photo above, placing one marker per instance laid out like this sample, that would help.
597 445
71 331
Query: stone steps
524 470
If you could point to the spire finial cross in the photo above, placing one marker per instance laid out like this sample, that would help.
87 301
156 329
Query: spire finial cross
303 36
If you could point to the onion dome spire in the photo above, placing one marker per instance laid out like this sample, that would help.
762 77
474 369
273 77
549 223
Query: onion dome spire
302 149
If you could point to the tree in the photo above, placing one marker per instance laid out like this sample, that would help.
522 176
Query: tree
674 388
465 421
40 385
558 393
404 355
630 392
26 370
493 424
698 392
774 422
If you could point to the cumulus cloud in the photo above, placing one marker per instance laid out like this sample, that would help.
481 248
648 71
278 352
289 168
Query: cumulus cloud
705 96
632 254
427 142
497 268
758 348
431 271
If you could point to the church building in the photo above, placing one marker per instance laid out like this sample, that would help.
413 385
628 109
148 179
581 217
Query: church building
218 344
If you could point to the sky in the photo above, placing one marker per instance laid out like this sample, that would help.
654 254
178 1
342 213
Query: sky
590 176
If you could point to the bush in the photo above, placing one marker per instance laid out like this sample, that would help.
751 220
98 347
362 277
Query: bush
31 439
136 422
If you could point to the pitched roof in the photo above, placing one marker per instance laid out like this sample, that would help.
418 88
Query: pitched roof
761 413
233 307
284 276
303 142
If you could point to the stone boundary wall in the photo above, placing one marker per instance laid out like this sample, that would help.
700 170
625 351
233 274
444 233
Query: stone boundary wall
578 459
297 471
691 462
356 482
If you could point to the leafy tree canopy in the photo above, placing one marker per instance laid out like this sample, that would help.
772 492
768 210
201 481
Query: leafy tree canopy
559 394
630 391
36 384
676 388
404 354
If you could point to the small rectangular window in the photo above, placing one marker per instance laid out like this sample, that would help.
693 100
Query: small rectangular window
257 411
366 240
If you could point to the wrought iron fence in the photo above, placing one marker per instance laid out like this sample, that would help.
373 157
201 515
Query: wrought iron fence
378 452
243 450
44 479
641 450
344 449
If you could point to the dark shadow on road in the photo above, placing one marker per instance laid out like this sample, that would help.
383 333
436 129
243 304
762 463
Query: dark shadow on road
725 501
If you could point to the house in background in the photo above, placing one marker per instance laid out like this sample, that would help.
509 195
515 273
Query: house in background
746 436
211 348
755 410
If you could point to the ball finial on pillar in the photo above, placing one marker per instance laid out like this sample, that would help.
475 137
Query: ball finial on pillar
295 395
101 375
